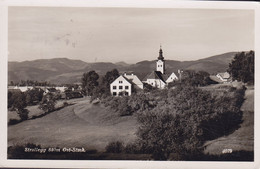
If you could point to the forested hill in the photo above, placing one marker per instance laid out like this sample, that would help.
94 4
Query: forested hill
63 70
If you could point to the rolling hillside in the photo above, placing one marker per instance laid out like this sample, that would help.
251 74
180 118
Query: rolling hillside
63 70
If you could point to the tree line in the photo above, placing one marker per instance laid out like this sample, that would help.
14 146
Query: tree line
242 67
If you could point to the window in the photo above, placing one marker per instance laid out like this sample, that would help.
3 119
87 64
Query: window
114 87
120 87
120 81
126 93
126 87
114 93
120 94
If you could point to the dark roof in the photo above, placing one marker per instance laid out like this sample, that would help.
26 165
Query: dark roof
129 80
155 75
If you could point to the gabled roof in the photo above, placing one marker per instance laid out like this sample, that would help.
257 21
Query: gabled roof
121 77
133 78
155 75
224 75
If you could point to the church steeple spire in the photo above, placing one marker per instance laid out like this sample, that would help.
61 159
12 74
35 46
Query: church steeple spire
160 54
160 64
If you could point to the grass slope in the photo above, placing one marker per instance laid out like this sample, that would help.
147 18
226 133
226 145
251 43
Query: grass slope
242 138
78 125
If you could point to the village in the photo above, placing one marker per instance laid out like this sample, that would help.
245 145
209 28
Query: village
124 84
133 109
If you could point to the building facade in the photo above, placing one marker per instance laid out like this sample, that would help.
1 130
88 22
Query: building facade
121 87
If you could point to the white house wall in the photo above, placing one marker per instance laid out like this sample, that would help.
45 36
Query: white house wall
120 81
171 78
156 83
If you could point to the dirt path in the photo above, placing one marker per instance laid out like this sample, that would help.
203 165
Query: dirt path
242 138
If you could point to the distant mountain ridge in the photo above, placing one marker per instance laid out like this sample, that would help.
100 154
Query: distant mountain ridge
63 70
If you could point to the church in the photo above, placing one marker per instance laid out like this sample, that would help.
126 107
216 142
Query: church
159 78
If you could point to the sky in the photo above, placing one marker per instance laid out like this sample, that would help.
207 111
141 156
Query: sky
126 34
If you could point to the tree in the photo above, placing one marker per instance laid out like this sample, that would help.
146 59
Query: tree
242 67
193 78
187 117
89 82
34 96
17 101
108 79
48 103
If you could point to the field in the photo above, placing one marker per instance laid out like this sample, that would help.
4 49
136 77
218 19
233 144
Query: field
93 126
80 125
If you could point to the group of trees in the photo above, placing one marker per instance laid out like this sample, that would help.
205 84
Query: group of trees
30 83
187 117
178 121
193 78
242 67
18 101
93 86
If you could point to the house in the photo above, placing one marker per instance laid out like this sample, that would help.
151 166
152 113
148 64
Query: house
125 84
159 78
121 86
224 77
135 80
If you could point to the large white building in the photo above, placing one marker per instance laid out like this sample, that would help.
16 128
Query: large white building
123 85
159 78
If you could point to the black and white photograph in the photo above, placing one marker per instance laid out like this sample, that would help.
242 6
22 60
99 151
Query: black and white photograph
130 84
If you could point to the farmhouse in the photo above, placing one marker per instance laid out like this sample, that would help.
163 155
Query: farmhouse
159 78
124 84
224 77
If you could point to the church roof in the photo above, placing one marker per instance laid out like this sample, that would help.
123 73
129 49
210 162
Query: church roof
155 75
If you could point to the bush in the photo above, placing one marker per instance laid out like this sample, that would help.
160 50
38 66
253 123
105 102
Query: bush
134 148
115 147
23 114
48 103
65 104
13 121
185 118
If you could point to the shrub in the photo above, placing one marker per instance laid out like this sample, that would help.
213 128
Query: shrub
13 121
65 104
115 147
23 114
48 103
134 148
187 117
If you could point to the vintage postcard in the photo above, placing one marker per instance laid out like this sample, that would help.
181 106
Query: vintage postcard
121 85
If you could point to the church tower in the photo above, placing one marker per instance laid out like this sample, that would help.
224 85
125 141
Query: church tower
160 64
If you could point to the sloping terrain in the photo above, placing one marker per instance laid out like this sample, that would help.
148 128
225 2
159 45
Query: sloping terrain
243 137
78 125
